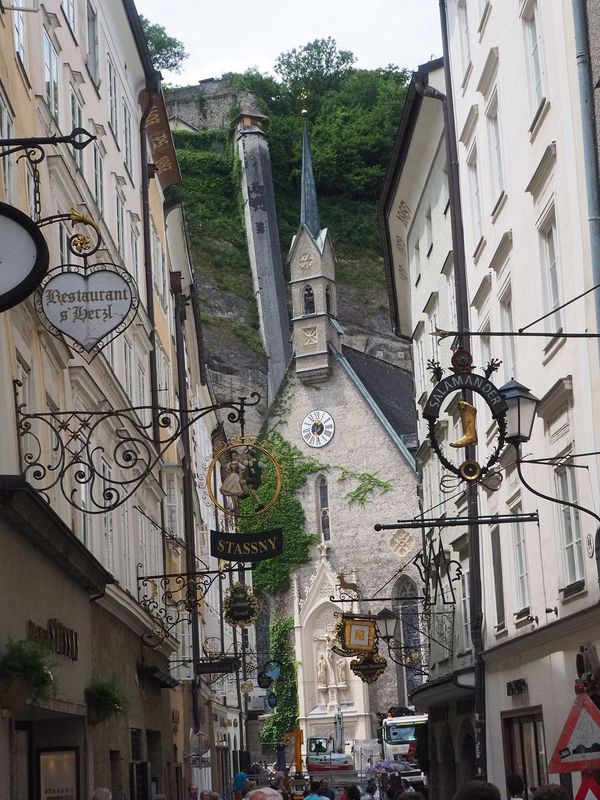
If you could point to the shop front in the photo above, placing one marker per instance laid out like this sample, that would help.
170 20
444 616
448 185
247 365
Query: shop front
47 582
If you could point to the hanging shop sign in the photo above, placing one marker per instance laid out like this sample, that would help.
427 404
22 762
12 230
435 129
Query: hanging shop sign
246 546
578 746
369 667
357 636
465 379
240 605
248 478
271 700
263 680
223 665
89 305
23 256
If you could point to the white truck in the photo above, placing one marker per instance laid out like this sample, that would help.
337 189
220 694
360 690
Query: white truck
399 743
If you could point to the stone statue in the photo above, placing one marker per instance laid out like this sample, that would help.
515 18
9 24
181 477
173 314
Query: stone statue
322 672
341 671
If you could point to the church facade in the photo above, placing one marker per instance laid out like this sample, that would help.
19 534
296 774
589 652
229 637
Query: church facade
354 414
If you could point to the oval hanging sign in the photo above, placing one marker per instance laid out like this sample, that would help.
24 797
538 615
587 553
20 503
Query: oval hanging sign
23 256
240 605
89 305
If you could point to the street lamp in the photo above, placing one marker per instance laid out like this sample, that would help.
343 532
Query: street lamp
387 622
520 413
520 416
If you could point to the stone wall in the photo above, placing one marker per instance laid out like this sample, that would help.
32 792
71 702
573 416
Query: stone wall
207 105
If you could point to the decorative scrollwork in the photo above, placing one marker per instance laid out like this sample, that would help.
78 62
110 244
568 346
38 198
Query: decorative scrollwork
79 244
172 599
423 633
98 459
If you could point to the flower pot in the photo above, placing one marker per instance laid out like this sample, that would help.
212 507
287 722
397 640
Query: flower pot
14 694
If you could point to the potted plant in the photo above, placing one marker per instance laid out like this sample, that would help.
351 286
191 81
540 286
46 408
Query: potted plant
25 673
104 699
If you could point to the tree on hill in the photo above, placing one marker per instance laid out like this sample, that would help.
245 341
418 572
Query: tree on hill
166 51
315 69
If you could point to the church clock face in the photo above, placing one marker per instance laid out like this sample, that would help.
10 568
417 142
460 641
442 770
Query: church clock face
317 428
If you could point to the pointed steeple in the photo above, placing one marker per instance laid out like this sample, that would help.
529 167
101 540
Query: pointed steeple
309 210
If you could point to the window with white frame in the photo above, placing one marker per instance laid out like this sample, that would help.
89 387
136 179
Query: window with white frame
69 9
496 163
31 190
416 261
551 272
107 523
172 505
463 34
120 214
323 508
521 582
51 75
128 368
535 70
134 251
86 517
566 489
112 96
473 171
509 355
6 164
76 122
435 342
141 385
485 345
428 233
451 293
64 234
498 578
92 42
126 566
127 140
465 602
19 31
421 365
98 177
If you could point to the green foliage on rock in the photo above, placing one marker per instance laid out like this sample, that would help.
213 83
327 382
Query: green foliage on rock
285 716
273 576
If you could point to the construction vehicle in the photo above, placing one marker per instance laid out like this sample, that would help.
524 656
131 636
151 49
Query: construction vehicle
326 753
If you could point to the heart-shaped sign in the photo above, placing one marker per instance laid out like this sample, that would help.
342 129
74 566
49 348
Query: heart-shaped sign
90 306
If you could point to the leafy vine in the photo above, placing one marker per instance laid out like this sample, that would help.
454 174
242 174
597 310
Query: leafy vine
285 687
367 484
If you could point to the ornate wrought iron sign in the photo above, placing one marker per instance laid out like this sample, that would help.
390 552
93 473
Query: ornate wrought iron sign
221 665
240 606
240 464
89 304
464 378
369 667
246 546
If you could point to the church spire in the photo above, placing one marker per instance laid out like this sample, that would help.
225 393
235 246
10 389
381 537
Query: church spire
309 210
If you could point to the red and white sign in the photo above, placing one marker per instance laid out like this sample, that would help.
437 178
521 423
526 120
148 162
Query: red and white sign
578 746
589 789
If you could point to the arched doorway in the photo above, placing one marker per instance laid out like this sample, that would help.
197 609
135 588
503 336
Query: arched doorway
466 762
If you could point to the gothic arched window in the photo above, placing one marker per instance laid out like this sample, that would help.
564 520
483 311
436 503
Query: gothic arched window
309 300
323 508
407 607
328 300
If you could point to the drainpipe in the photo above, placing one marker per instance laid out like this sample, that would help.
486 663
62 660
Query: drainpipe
153 88
462 313
590 152
188 484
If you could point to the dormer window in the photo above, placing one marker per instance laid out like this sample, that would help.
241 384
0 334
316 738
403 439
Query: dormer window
309 300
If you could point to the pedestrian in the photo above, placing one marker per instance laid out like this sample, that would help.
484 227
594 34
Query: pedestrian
371 792
264 793
102 794
551 791
315 791
160 796
192 792
406 786
240 785
204 794
515 786
352 792
325 791
477 790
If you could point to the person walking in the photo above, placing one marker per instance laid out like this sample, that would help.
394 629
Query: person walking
102 794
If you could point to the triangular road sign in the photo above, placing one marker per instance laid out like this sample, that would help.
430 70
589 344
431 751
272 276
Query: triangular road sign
578 746
589 789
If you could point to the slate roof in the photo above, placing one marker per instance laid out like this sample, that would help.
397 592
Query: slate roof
392 390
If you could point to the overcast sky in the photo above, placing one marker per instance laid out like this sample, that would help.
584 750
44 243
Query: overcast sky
232 35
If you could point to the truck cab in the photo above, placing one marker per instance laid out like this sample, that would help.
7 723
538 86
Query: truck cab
321 756
399 742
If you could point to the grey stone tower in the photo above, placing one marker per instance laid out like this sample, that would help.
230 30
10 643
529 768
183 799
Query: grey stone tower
262 233
312 268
